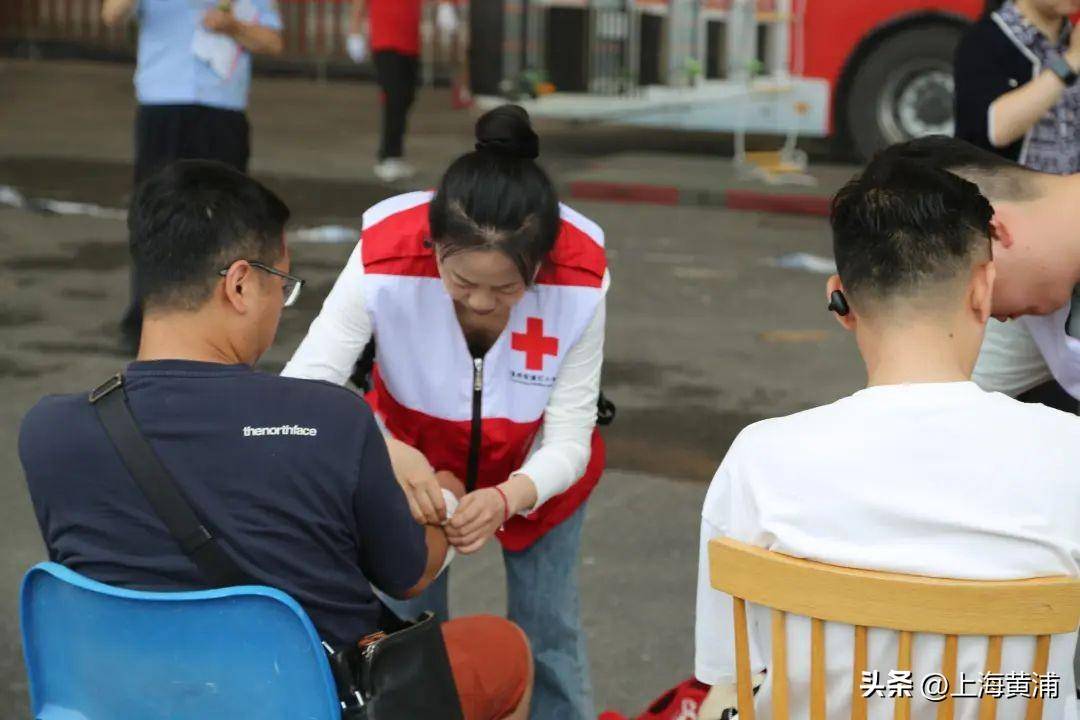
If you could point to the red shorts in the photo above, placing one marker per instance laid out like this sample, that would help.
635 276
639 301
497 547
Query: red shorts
491 663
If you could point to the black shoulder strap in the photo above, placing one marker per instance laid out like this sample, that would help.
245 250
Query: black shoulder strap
110 403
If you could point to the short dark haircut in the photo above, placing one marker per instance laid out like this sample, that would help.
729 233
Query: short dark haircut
902 224
998 178
497 197
192 219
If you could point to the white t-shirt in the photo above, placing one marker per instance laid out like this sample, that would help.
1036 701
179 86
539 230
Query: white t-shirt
937 479
1024 353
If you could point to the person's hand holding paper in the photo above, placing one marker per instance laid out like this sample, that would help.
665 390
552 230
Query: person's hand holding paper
213 41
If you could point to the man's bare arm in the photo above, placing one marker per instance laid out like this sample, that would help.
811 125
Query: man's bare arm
116 12
438 546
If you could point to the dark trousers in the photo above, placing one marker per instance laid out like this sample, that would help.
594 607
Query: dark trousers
166 133
397 76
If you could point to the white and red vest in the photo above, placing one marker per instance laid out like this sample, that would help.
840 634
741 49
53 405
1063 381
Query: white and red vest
477 418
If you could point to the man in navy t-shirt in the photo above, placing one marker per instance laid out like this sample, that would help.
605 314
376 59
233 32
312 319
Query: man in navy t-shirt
293 475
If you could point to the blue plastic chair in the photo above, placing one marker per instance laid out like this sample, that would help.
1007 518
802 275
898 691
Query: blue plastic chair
95 652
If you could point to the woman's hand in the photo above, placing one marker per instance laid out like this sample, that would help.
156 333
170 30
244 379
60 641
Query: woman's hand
484 511
476 519
417 478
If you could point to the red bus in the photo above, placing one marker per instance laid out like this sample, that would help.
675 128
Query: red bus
888 64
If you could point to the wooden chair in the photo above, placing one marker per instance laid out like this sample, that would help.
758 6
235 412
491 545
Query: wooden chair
909 604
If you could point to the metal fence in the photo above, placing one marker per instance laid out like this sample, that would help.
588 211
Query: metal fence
44 21
314 31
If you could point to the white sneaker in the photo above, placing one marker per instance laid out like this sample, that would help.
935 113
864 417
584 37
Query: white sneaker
394 169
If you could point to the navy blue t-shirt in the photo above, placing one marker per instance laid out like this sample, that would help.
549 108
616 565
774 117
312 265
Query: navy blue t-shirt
292 474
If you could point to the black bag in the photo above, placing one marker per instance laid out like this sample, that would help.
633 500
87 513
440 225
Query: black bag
374 669
402 673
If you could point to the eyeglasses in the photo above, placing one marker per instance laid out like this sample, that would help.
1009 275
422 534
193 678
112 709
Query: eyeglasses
290 288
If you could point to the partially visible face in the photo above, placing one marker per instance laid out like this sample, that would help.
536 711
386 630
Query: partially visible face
484 282
1031 280
272 301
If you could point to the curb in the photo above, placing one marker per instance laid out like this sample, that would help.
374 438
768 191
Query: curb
624 192
749 200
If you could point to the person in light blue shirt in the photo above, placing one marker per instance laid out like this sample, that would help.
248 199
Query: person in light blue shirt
191 82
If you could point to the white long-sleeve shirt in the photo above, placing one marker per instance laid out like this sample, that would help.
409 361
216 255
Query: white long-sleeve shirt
561 451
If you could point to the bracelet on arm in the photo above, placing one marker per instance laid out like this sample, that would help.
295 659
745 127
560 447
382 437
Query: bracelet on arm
506 503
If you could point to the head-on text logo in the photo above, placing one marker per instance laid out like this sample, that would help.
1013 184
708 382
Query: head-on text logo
280 430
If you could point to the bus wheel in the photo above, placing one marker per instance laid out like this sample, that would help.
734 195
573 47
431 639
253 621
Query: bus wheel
903 89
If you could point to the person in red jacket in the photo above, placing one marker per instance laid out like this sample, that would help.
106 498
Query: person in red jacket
393 32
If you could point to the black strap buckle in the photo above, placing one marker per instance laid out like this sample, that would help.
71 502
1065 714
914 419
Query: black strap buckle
116 381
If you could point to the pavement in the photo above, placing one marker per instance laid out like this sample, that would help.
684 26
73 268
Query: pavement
326 132
705 332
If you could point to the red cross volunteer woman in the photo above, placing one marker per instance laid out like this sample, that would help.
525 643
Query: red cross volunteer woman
485 302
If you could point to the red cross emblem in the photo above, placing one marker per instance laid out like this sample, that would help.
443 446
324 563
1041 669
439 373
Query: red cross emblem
534 344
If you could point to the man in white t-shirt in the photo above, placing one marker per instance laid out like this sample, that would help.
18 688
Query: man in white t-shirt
922 472
1035 338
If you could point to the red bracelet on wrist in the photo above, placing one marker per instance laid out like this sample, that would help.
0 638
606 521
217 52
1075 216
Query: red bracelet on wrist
506 503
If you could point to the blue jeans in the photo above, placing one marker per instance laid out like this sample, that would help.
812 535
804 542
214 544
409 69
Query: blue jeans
543 598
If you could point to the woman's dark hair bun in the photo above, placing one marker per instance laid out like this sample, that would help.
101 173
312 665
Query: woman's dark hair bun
506 130
496 197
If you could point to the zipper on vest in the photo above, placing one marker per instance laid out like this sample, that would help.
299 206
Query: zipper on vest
474 439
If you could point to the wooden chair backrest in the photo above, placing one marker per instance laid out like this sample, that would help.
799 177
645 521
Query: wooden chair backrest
1038 607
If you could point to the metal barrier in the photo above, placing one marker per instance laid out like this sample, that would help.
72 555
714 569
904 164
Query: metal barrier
614 54
576 45
314 31
77 21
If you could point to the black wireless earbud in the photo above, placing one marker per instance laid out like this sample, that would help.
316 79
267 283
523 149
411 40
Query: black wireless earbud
838 303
